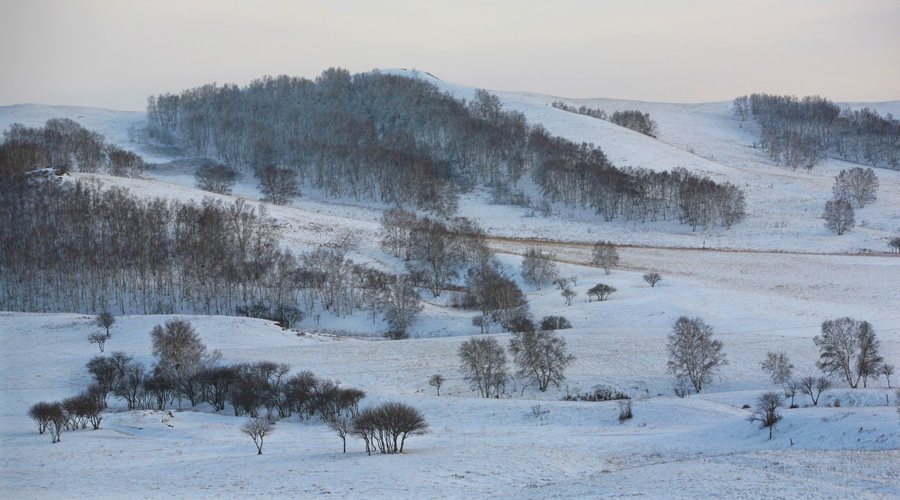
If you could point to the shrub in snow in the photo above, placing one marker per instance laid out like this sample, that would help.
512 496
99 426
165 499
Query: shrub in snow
597 394
767 411
385 427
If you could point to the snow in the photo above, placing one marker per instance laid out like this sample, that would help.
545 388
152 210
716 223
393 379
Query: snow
764 285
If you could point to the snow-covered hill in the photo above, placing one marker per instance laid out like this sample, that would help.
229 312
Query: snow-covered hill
764 285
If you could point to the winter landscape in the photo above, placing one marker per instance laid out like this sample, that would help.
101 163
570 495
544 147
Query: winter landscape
385 284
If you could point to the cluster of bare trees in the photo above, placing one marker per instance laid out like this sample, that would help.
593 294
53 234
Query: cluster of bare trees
630 119
72 413
183 369
62 144
384 427
857 185
540 355
848 349
635 120
401 141
800 132
490 290
77 247
581 110
436 252
581 176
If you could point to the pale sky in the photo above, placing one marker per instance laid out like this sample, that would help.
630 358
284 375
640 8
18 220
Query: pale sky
113 54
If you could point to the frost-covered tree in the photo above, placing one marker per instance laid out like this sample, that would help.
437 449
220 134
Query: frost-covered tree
857 184
693 354
178 348
848 348
605 255
839 216
483 363
779 367
401 306
538 268
541 357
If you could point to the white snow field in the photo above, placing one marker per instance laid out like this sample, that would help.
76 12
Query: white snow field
764 285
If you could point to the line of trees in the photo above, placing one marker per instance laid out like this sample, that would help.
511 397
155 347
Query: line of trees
630 119
184 369
401 141
800 132
77 247
62 144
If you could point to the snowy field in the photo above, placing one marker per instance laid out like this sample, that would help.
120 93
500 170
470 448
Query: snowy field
764 285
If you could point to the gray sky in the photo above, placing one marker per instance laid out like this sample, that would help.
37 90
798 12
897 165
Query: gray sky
113 54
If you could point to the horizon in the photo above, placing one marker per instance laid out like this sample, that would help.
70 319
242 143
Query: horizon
113 56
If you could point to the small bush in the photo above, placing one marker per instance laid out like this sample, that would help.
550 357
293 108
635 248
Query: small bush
625 412
555 323
597 394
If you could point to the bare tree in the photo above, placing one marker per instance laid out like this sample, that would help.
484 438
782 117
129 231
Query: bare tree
541 356
857 184
569 293
401 306
605 255
814 387
652 279
848 348
791 388
838 216
887 370
105 320
538 268
258 429
483 363
278 185
41 413
437 381
216 178
767 411
554 323
178 348
99 339
779 368
483 322
58 420
342 425
693 354
601 291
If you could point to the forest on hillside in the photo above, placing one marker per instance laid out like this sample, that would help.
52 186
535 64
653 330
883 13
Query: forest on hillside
801 132
401 141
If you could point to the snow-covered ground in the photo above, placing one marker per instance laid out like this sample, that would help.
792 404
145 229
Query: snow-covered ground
766 284
699 447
